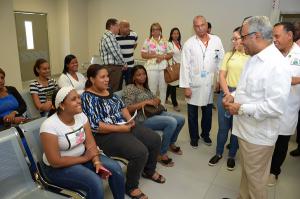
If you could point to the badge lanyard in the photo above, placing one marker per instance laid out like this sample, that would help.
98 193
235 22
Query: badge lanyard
203 72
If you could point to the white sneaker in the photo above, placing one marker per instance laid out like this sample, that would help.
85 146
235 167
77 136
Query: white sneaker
272 180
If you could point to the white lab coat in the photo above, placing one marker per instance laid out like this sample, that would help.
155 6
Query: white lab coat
288 122
198 67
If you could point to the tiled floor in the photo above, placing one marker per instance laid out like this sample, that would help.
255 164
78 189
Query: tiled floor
191 177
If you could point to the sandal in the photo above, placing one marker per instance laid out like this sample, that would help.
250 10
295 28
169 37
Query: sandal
139 196
168 162
175 149
160 179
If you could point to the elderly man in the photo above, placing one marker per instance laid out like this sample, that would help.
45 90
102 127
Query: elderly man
201 57
259 102
111 56
127 40
283 39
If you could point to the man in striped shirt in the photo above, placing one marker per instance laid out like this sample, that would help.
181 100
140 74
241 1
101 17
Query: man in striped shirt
111 56
127 40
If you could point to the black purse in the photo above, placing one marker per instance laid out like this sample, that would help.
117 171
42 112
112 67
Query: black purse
151 110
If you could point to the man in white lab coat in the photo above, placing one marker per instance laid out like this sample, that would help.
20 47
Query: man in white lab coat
201 56
259 102
283 33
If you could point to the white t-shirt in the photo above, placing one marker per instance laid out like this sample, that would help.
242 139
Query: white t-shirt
70 138
68 80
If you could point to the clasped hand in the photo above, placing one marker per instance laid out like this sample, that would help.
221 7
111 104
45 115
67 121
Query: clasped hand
230 105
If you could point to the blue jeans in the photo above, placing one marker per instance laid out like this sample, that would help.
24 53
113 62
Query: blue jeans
225 124
83 177
205 121
171 125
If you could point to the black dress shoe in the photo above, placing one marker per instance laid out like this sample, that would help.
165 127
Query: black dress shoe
295 152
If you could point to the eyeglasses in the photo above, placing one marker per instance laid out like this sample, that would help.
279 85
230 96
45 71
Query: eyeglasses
233 39
244 36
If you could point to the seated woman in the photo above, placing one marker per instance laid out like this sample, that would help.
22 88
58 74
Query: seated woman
136 96
12 105
43 87
71 76
72 159
135 143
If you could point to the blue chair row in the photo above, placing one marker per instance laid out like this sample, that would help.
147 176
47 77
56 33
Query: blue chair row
15 177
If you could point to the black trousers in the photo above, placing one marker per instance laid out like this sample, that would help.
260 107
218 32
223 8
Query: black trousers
171 90
140 147
205 121
298 131
279 154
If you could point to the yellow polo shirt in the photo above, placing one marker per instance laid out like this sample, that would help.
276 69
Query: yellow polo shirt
234 67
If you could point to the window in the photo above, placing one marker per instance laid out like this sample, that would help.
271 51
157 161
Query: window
29 35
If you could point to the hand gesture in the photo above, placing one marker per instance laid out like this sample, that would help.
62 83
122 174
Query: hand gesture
188 92
233 108
10 117
102 171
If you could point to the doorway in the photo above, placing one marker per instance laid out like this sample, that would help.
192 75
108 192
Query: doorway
32 39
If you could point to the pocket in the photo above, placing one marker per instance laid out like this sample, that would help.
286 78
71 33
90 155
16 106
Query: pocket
255 88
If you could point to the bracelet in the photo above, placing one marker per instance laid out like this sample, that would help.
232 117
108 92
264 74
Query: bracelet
96 162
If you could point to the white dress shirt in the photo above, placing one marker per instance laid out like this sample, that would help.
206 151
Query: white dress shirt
290 117
262 92
198 66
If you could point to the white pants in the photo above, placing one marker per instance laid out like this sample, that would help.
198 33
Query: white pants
156 79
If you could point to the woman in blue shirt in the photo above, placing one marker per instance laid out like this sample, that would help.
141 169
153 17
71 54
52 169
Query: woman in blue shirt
12 106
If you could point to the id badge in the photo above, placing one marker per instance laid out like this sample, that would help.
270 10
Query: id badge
203 74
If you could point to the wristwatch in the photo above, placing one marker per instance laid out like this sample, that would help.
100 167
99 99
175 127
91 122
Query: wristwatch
241 110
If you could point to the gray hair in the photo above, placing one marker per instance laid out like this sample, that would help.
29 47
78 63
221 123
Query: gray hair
260 24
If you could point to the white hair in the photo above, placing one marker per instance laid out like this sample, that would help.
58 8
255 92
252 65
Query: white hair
260 24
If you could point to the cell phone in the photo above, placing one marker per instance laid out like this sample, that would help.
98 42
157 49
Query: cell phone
104 173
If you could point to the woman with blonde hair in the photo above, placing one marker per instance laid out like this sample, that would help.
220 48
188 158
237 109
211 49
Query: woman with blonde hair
156 51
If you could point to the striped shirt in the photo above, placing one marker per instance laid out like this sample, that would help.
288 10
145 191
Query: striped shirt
44 92
127 44
110 51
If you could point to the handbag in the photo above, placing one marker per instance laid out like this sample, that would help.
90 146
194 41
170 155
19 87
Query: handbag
151 110
171 73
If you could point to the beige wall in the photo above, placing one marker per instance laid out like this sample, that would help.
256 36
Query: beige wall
78 31
224 16
9 57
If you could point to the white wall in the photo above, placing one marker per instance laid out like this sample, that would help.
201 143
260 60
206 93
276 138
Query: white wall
289 6
9 57
224 16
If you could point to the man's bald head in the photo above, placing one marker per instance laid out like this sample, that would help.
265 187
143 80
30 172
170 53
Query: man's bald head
200 26
124 28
